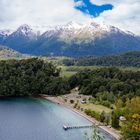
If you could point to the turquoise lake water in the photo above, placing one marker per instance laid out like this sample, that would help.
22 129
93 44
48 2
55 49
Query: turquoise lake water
39 119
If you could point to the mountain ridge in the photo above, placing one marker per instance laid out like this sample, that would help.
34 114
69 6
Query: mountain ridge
72 39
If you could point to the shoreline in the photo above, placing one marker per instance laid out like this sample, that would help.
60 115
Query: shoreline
108 130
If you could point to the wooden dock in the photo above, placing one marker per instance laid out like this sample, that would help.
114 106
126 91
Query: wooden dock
76 127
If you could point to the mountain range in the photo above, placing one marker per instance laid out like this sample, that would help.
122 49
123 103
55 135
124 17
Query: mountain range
72 39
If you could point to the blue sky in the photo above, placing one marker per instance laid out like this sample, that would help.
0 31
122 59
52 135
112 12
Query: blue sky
87 7
123 14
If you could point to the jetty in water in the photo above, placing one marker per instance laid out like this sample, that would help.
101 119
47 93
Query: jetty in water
76 127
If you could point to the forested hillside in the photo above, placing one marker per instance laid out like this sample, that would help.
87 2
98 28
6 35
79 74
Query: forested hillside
30 77
130 59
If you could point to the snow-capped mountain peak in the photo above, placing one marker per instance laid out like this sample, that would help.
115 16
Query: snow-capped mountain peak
73 25
92 24
6 32
25 29
71 39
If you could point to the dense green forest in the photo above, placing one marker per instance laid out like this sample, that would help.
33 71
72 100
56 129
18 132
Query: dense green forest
30 77
111 80
116 89
111 87
128 59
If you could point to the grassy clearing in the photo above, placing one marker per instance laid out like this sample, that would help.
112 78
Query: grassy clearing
71 70
78 68
58 61
68 71
96 108
80 106
129 68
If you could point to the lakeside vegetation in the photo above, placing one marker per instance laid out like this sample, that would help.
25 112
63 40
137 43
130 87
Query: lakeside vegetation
112 92
30 77
115 89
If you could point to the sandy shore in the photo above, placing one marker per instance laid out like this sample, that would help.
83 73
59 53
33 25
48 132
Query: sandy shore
109 130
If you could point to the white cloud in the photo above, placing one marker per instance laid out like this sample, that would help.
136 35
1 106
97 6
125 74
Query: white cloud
79 3
125 14
38 12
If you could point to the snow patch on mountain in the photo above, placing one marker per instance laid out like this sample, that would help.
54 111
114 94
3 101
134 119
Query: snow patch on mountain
25 31
6 32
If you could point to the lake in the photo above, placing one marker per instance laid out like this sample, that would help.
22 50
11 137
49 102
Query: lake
39 119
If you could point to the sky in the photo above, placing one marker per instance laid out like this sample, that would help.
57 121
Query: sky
123 14
89 8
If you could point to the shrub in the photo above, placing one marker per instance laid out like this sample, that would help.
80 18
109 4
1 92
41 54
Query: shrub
71 101
78 107
75 105
106 103
82 109
92 113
